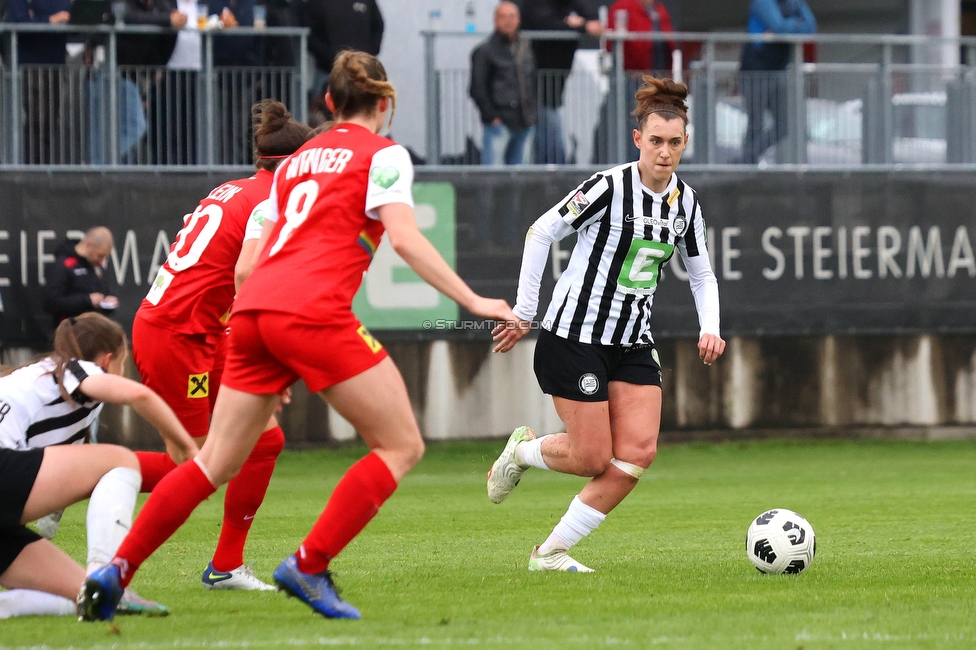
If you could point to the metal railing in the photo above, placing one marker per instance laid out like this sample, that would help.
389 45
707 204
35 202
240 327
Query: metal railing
865 100
93 111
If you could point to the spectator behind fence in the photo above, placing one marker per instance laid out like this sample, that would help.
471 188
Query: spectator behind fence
77 282
237 85
41 88
133 50
554 60
337 25
640 57
179 96
643 56
762 78
503 85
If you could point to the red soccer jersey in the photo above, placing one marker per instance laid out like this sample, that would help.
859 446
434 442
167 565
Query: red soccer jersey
194 288
327 226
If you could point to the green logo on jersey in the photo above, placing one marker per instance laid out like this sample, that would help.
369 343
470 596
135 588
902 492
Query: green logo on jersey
385 177
641 268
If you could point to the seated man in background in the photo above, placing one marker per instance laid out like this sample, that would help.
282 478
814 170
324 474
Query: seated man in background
77 282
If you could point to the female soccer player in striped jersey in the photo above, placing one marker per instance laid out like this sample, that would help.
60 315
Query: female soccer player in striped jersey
178 335
595 354
44 408
335 197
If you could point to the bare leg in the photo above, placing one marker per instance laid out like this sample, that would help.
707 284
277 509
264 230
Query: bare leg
635 419
69 473
586 447
375 402
239 419
42 566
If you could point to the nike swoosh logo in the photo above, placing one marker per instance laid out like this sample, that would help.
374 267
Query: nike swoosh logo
218 576
121 524
246 517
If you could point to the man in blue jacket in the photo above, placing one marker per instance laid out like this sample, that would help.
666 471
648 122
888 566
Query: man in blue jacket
762 68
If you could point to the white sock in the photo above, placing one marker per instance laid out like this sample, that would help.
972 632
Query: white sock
529 453
110 514
579 521
27 602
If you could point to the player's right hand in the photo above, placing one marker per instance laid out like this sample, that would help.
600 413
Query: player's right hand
507 334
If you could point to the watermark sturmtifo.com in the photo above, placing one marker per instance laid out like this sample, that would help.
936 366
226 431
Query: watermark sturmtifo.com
488 325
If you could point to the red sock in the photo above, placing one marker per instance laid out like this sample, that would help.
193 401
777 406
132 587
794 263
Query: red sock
245 492
167 508
154 465
356 499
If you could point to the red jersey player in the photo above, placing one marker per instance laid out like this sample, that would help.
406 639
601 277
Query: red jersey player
293 319
178 331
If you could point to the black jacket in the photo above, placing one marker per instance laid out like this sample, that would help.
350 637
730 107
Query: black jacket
503 81
553 56
337 25
70 283
146 49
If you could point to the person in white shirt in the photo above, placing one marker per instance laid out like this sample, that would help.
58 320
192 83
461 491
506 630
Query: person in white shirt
595 354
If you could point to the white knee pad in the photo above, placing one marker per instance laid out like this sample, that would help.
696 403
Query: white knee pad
628 468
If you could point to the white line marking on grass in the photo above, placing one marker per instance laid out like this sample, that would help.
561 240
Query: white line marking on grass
583 641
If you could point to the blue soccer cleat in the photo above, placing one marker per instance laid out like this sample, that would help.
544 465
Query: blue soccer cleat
316 589
100 594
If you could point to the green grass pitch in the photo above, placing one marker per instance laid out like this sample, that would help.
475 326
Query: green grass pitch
441 566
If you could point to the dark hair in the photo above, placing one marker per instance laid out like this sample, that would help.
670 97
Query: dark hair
357 81
276 134
321 128
664 96
84 337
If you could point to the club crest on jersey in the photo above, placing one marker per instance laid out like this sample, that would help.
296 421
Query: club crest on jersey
198 385
679 226
577 204
589 384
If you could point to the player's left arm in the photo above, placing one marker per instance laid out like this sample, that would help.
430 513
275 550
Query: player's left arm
704 287
119 390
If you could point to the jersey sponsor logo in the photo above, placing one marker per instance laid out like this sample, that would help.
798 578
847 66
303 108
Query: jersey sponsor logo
648 221
198 385
673 196
373 344
680 225
642 267
385 177
589 384
577 204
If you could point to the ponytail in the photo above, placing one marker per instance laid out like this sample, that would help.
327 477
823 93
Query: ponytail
84 337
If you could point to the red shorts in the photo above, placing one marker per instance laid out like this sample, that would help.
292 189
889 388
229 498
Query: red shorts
178 367
269 351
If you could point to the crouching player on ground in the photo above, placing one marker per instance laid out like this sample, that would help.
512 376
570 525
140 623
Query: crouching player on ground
293 319
44 408
178 336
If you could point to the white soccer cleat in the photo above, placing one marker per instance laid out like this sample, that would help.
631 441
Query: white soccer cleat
505 473
555 560
240 579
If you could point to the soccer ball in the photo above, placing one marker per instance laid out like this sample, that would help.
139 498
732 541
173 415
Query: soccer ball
781 541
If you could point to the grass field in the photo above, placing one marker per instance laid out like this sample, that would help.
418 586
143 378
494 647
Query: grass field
441 566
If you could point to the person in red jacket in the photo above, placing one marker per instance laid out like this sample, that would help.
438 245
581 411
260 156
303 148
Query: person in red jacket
643 56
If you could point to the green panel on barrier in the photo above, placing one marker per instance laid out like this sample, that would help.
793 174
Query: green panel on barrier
392 295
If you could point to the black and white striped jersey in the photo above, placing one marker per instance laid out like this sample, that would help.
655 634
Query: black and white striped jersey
33 413
626 234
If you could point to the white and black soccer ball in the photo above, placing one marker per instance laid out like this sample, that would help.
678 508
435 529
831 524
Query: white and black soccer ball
781 541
